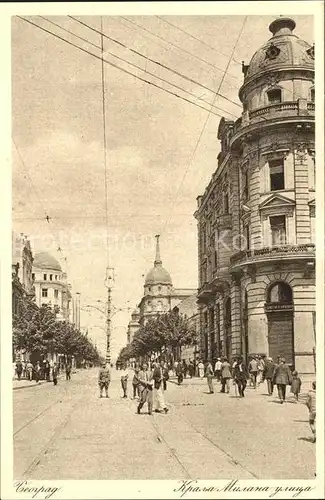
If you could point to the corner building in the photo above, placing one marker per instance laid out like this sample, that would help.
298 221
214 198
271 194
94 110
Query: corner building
256 219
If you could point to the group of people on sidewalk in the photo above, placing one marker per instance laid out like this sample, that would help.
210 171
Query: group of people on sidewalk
46 370
258 371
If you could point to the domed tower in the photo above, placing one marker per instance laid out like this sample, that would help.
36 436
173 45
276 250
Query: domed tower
272 147
158 288
51 285
133 325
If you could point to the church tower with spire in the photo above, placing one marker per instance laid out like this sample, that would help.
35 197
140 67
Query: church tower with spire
159 294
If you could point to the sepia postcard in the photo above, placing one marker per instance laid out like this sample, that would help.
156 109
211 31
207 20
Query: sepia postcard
162 265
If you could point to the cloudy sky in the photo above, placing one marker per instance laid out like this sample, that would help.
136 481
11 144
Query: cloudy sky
161 150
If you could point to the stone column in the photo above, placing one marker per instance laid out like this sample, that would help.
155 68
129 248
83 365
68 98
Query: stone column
302 194
235 295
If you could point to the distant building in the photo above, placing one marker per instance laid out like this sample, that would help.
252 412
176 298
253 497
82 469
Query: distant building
256 219
51 286
22 263
159 294
133 325
189 308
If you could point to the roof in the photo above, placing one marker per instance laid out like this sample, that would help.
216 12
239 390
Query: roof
158 275
283 50
188 306
44 260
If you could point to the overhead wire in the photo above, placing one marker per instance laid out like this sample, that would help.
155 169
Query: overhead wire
204 127
197 39
129 26
70 32
119 67
178 47
158 63
47 218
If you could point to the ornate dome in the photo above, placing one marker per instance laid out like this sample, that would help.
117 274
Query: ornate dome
44 260
158 275
283 50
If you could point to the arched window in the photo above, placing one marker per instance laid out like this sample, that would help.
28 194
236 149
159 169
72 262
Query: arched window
280 293
274 96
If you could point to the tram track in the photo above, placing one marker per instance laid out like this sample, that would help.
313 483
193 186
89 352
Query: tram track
227 455
172 450
39 415
58 430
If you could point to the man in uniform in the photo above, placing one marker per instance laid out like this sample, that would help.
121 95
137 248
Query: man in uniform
104 378
145 388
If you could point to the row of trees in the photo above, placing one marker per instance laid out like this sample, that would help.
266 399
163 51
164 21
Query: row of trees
162 335
36 330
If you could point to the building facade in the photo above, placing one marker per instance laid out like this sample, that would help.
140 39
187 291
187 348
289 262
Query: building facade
256 219
189 308
159 295
133 325
51 286
22 263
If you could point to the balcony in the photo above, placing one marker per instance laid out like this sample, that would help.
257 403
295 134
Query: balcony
267 254
279 111
205 292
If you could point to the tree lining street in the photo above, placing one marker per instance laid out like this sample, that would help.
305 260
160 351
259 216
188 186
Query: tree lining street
69 433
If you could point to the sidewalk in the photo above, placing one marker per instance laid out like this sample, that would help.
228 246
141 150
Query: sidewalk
24 383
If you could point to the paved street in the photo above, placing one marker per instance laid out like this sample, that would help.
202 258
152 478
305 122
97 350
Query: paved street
68 432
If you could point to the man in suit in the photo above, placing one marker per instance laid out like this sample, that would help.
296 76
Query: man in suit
158 377
240 375
282 377
145 388
268 374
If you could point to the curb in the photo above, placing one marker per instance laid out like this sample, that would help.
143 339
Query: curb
26 386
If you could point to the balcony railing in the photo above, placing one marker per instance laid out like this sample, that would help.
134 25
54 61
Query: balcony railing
280 252
281 109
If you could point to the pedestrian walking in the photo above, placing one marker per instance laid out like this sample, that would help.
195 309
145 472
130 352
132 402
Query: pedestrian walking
296 385
201 369
104 378
217 369
185 368
135 382
158 395
29 371
68 371
165 376
260 368
124 381
268 375
55 373
19 369
253 370
37 371
145 389
240 375
311 405
191 369
209 376
24 372
179 373
282 377
47 371
225 376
